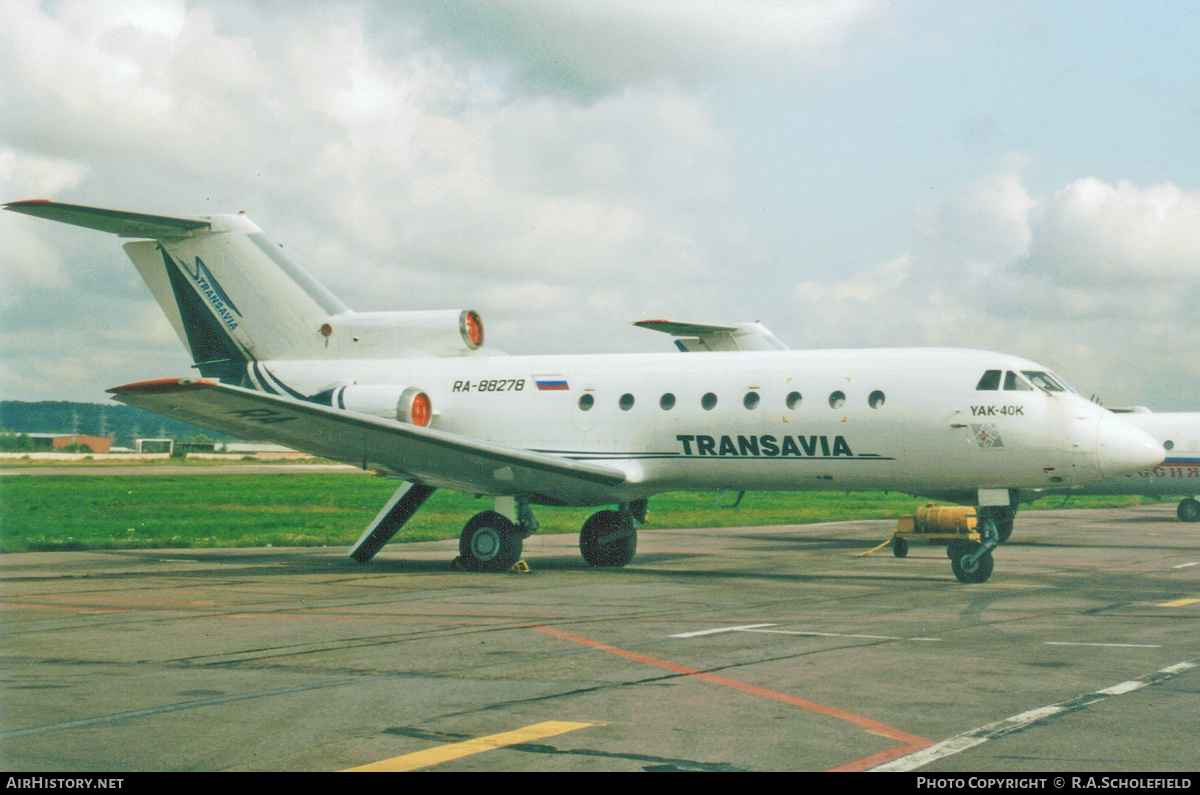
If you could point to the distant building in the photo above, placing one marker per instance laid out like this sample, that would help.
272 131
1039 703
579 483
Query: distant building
197 447
154 445
59 441
263 450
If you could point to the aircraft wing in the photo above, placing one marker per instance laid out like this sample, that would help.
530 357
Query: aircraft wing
696 337
422 455
118 222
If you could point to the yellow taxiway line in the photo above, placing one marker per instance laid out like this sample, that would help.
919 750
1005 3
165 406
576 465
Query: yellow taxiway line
444 753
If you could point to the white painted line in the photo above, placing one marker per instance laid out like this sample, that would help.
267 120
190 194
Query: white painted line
720 630
833 634
1107 645
991 731
1178 668
1186 565
1124 687
967 740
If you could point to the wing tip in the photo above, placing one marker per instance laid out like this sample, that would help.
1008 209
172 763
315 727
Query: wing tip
161 386
17 206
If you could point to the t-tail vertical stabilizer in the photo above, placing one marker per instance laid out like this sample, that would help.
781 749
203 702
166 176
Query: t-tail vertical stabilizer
234 297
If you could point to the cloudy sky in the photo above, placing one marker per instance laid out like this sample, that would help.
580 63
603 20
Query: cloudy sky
1016 176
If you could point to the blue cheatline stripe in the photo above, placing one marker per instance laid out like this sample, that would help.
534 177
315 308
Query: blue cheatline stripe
263 384
582 455
284 386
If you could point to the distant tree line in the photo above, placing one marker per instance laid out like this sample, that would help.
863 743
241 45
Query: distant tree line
15 443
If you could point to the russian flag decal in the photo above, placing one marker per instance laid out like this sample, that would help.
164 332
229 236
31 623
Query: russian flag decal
551 383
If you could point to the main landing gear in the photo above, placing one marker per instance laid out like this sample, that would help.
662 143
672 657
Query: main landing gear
491 541
609 538
1189 510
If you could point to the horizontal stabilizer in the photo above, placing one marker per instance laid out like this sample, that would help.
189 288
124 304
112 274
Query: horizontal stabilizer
421 455
694 337
118 222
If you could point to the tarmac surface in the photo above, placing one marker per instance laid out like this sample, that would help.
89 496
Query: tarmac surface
758 648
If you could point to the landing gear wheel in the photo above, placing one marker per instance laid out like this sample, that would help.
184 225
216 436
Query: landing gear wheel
1189 510
489 542
899 547
597 549
969 571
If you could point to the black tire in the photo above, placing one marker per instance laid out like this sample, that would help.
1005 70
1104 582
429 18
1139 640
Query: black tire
489 542
899 547
1004 527
968 572
615 553
1188 510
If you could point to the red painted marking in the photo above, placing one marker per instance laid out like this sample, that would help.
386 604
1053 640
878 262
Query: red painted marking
162 385
911 742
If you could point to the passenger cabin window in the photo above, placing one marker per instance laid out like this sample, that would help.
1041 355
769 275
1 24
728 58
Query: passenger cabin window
708 402
990 381
626 402
837 400
586 401
876 399
1043 380
667 401
793 400
1014 383
750 401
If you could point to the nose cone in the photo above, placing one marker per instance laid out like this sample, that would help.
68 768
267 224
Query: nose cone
1124 448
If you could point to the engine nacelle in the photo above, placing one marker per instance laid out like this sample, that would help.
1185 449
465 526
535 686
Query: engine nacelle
405 403
383 335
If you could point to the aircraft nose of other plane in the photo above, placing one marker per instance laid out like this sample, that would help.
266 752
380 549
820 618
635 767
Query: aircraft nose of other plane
1124 448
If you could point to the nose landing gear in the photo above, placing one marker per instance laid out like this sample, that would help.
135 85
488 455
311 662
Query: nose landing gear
971 561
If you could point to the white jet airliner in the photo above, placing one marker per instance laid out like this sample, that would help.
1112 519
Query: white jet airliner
1178 474
415 395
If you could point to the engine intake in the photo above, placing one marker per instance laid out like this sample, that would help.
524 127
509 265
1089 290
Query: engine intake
381 335
404 403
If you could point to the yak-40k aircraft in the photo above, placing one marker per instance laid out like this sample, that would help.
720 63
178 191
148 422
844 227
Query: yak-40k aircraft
415 395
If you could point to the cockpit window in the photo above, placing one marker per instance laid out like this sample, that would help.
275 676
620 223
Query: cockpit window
990 381
1044 380
1014 383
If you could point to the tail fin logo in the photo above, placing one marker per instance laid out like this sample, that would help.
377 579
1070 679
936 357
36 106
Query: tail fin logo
212 290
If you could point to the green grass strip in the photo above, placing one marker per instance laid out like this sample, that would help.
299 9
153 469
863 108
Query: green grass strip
49 513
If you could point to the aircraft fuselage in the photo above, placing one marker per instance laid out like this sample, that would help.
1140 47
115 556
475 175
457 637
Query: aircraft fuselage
855 419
